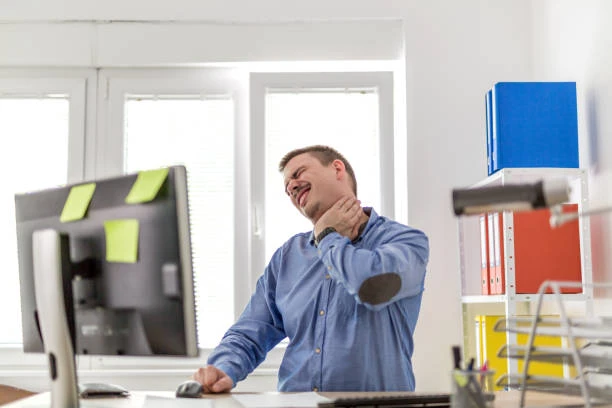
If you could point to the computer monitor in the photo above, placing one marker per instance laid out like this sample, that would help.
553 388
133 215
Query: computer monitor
107 266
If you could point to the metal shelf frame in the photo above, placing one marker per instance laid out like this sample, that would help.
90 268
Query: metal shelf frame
470 256
573 330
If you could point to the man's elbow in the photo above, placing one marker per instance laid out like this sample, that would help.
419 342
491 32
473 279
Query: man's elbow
380 289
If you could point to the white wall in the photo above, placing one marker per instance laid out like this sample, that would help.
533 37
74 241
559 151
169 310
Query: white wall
123 44
573 41
214 11
454 51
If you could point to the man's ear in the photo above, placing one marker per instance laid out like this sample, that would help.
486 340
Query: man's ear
340 168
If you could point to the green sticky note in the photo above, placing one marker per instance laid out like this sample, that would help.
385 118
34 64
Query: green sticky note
146 186
121 240
77 202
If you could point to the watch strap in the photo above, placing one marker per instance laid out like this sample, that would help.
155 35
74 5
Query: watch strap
324 233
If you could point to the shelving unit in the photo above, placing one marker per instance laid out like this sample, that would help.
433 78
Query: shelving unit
588 349
512 304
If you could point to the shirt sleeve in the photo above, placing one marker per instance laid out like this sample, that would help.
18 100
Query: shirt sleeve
258 329
390 268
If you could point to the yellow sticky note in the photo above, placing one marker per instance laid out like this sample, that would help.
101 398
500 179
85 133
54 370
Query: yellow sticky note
121 240
460 378
146 186
77 202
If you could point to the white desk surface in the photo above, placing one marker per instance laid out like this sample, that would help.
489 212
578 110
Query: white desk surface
160 399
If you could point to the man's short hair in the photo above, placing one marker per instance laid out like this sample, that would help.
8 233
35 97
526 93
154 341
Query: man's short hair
325 155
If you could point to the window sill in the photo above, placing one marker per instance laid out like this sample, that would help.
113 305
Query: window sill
12 357
107 373
37 380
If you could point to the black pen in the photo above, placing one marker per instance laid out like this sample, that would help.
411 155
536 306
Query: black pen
457 357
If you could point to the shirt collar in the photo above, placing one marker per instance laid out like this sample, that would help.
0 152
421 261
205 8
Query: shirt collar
369 211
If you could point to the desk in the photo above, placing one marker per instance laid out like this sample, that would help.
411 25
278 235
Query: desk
508 399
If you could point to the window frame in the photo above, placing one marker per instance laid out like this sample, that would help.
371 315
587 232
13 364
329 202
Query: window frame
259 82
97 152
115 83
79 85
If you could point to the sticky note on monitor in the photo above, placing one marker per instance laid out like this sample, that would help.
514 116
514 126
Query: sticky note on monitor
121 240
146 186
77 203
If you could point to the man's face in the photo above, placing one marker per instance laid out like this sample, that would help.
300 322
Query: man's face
312 187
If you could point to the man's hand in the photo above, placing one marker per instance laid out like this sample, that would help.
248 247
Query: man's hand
213 380
344 216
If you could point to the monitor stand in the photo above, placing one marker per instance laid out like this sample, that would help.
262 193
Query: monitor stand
57 339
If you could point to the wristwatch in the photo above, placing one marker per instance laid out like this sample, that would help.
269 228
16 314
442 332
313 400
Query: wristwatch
324 233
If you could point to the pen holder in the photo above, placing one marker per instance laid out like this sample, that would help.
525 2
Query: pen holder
472 389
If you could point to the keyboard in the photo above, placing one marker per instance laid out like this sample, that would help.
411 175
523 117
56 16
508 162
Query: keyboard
396 401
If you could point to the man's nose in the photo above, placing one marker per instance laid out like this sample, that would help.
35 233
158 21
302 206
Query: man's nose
292 187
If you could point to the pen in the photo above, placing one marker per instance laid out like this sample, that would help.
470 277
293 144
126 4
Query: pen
483 371
457 357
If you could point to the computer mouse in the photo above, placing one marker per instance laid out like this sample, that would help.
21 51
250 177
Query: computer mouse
189 389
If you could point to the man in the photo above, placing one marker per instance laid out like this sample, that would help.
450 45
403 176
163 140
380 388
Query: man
347 294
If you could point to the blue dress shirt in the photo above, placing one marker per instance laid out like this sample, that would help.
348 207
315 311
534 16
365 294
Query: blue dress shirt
343 335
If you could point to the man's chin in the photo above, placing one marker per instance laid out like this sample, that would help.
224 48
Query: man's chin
305 213
309 212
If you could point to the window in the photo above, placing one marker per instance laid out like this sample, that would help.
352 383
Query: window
49 133
187 121
42 121
346 119
348 111
178 130
127 120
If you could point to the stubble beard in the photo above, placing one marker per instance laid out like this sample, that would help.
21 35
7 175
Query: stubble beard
311 212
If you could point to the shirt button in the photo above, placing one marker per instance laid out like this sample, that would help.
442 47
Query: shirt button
315 389
321 312
329 267
327 276
318 350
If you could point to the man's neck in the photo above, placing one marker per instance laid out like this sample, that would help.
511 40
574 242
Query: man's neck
363 222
